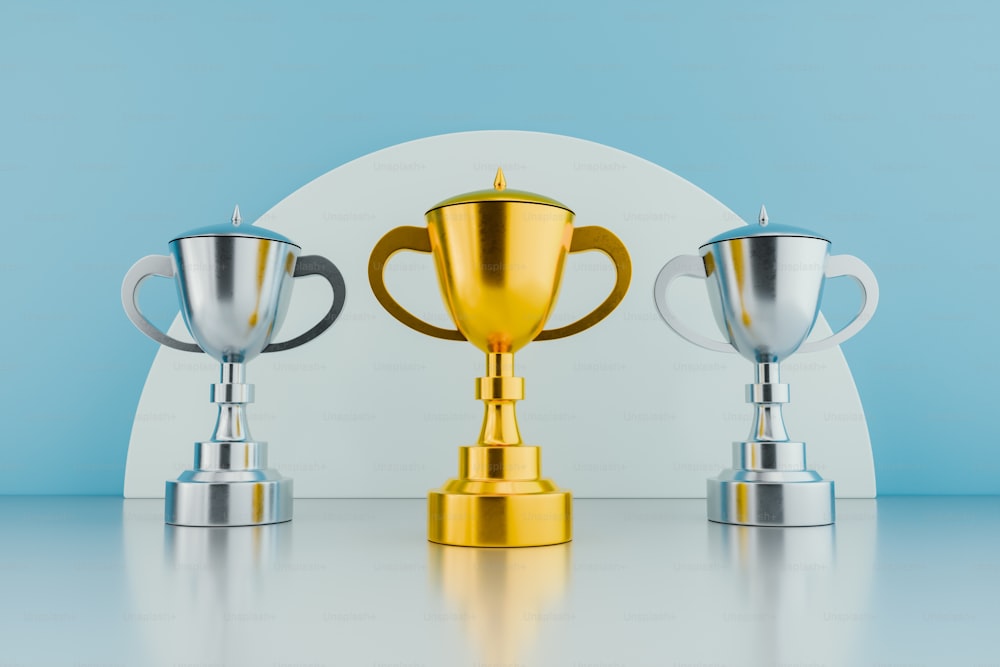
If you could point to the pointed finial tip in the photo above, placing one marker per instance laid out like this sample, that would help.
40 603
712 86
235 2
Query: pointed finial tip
499 183
763 216
237 218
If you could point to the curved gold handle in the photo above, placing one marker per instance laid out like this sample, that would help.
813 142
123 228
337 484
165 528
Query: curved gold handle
597 238
396 240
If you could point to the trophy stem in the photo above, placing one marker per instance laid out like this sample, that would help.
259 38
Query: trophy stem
769 483
499 389
230 483
232 395
499 498
768 372
768 395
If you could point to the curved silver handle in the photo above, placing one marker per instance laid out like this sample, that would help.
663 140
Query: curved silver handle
316 265
683 265
151 265
849 265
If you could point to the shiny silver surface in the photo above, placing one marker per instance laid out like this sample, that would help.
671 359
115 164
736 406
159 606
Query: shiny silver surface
147 267
232 395
769 483
191 501
230 455
762 456
234 291
767 396
230 483
765 291
780 503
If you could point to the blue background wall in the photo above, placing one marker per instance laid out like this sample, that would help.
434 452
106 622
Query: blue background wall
122 124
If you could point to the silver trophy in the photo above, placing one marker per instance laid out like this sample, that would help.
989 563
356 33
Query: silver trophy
233 283
765 283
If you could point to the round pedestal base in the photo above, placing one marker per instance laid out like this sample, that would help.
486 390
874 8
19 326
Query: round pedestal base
266 499
499 500
806 502
536 514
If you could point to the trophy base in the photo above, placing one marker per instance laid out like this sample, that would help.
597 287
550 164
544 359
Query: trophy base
499 501
228 498
749 498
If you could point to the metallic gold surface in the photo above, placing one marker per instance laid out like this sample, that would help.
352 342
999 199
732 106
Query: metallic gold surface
499 192
499 256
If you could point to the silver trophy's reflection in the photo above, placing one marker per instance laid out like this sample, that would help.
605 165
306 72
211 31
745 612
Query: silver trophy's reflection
224 577
795 595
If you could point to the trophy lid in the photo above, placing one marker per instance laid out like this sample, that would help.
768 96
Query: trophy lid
499 192
763 228
236 228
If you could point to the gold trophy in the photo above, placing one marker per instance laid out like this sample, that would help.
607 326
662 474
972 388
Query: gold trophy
499 256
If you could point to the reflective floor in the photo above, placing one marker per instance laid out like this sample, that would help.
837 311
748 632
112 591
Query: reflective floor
101 581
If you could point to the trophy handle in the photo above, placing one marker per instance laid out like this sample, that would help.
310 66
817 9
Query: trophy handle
683 265
849 265
316 265
151 265
396 240
597 238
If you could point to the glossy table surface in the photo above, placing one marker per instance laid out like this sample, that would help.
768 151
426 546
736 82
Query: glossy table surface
897 581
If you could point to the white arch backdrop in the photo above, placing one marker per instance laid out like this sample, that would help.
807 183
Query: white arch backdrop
373 409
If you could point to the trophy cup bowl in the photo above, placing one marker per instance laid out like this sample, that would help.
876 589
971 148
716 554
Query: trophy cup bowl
765 293
233 285
233 292
499 256
765 286
499 295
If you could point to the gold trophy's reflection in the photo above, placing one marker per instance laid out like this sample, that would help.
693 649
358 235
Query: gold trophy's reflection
503 596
